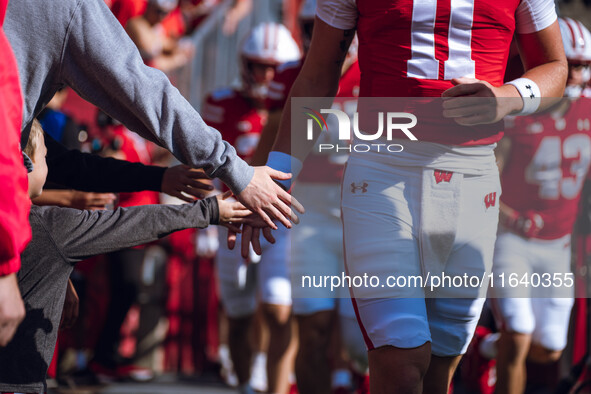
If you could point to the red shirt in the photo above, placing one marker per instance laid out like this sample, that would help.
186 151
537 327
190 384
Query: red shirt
236 118
15 231
547 166
281 85
124 10
136 150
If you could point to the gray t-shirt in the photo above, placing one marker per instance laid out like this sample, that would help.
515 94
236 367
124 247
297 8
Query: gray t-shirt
61 237
81 44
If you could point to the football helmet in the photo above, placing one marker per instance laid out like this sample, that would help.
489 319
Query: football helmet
269 44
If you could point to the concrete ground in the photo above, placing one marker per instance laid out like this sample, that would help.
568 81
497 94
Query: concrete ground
167 384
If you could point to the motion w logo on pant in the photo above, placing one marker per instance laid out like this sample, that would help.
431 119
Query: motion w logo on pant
442 176
490 200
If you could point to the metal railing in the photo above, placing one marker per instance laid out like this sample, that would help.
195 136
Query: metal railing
216 63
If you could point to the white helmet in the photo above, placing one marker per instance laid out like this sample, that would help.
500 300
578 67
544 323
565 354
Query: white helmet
576 40
269 44
165 5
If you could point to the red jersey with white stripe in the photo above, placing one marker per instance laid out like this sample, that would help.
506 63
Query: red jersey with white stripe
548 163
236 118
413 48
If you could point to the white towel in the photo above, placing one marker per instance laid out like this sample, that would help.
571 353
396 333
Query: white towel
440 209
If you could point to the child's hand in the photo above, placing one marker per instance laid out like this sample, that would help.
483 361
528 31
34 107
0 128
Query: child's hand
234 214
185 183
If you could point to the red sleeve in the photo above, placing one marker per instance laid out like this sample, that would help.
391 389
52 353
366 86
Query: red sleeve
3 5
15 232
124 10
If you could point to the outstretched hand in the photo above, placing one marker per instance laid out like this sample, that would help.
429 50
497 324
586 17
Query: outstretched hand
472 101
233 215
185 183
267 199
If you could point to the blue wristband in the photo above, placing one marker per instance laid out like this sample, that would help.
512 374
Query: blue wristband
285 163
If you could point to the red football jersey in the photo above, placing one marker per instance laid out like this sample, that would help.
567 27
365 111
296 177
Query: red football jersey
280 86
548 163
236 118
412 48
136 150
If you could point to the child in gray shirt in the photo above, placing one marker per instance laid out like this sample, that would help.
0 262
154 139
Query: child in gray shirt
64 236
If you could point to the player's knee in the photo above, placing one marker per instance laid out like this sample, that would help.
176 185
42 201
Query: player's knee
514 345
541 355
238 326
314 332
406 367
546 347
277 316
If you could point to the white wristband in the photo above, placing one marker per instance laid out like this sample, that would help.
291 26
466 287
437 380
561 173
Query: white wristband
286 163
530 93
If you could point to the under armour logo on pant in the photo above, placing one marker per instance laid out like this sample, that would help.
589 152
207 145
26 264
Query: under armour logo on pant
363 187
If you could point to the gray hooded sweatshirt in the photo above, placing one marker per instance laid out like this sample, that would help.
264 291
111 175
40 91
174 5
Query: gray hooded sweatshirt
81 44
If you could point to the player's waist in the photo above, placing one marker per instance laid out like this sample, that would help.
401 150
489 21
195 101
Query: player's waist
475 160
420 118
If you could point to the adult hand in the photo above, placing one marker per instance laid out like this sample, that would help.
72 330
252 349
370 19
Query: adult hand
12 309
183 182
71 307
232 215
251 234
93 201
472 101
267 199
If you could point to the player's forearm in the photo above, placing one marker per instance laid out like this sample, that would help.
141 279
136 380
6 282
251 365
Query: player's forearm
543 56
267 139
506 213
320 88
551 78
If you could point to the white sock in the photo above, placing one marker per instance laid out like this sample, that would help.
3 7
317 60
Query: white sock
258 372
224 355
488 346
341 378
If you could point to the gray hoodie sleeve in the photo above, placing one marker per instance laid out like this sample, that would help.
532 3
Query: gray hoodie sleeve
102 64
82 234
